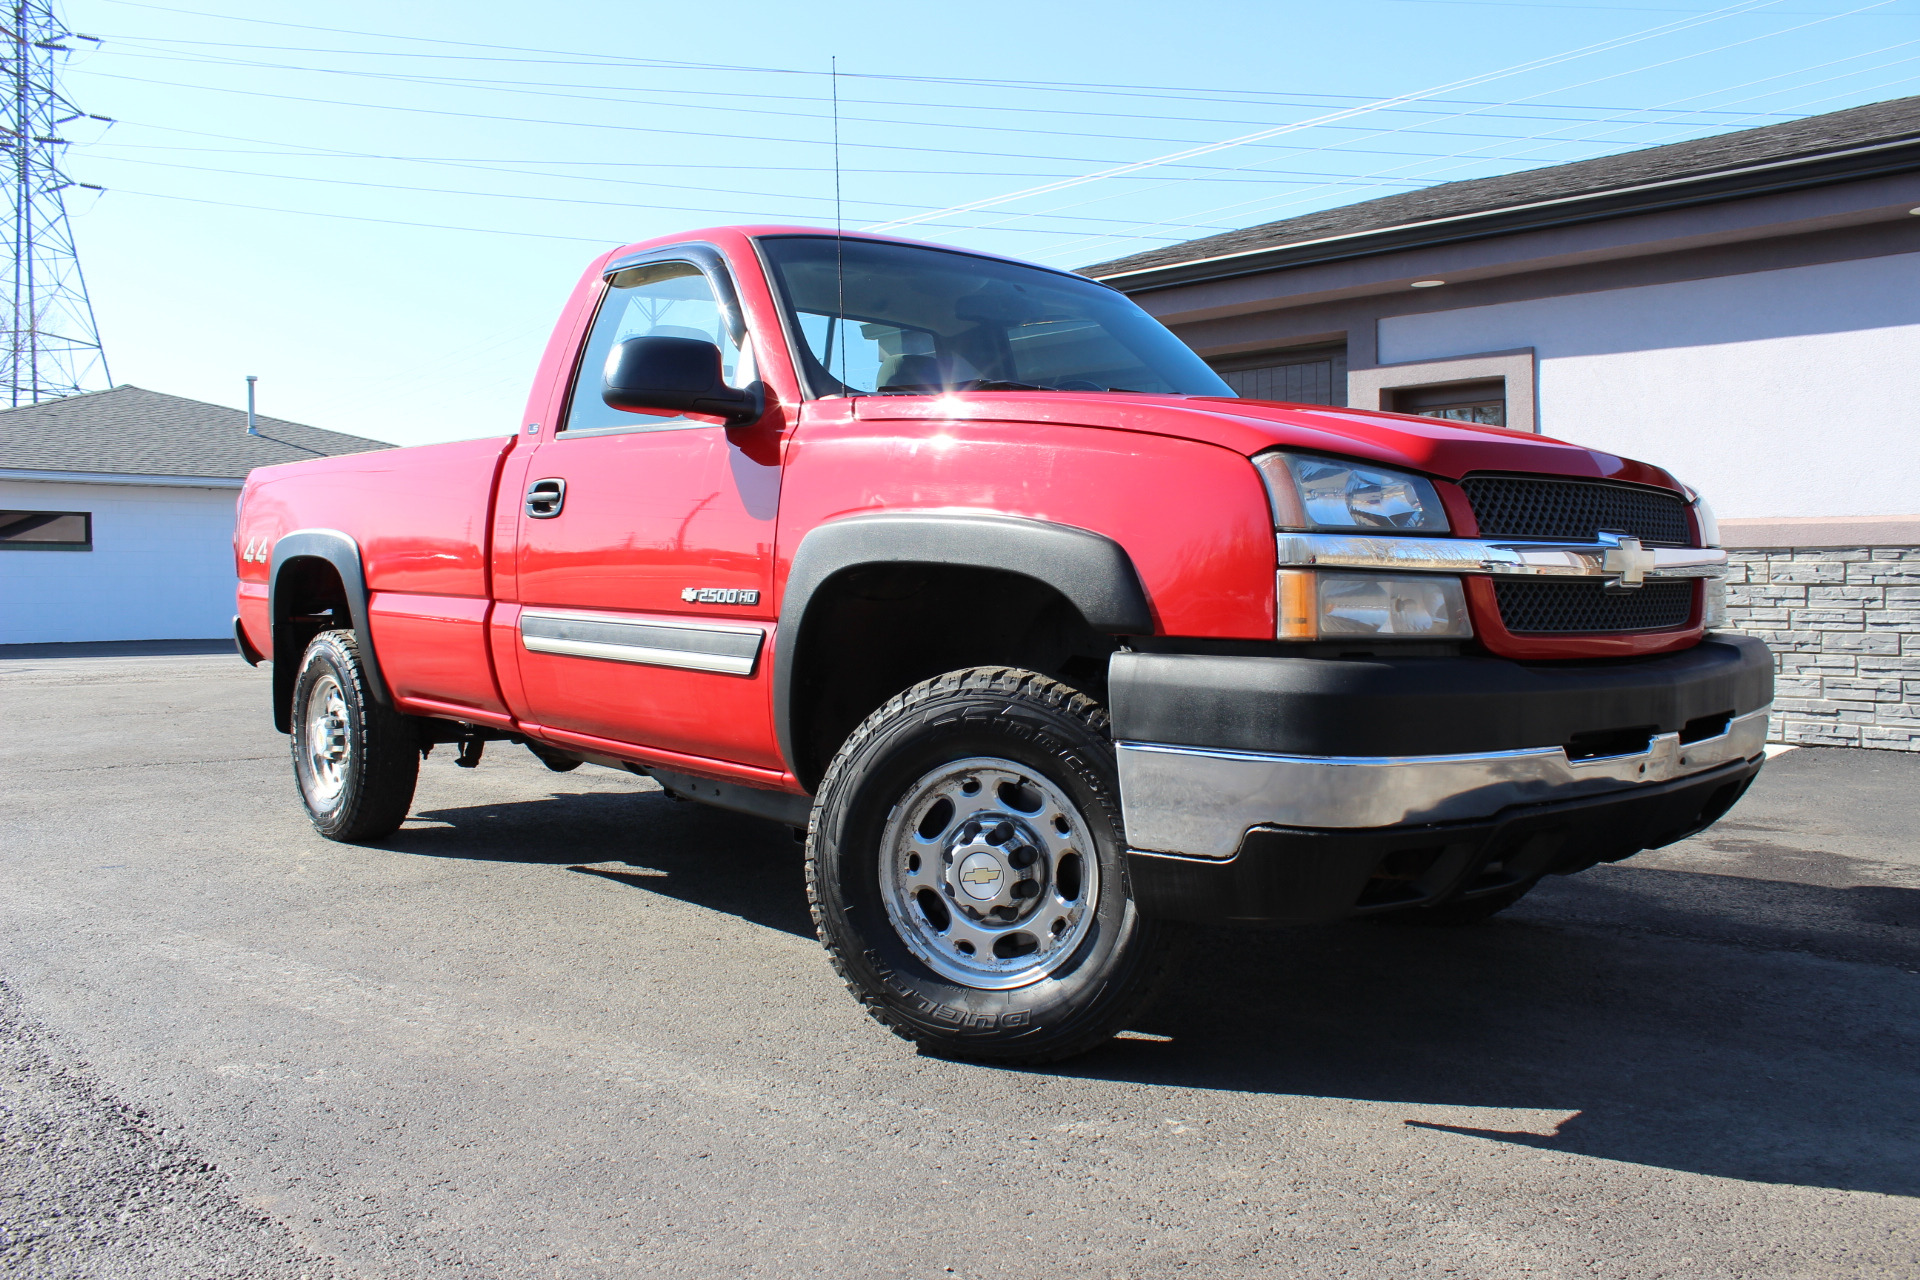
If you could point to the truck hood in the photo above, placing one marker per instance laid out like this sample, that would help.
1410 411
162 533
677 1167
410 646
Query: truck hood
1446 449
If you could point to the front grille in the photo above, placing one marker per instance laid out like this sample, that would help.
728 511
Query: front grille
1582 605
1516 507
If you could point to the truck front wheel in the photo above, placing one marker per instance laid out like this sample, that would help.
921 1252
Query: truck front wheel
966 869
356 761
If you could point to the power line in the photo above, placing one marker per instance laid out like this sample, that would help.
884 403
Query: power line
539 90
1743 6
659 91
354 217
572 200
574 57
1615 75
482 164
736 137
1300 197
598 124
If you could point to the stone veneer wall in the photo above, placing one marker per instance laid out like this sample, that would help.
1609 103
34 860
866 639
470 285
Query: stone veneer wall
1844 626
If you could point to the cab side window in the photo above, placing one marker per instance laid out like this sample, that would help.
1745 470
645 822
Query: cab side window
656 299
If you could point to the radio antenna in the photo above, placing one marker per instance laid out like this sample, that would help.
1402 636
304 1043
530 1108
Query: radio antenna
839 231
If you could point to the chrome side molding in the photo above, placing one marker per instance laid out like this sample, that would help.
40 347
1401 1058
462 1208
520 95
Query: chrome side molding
1199 802
1610 555
690 645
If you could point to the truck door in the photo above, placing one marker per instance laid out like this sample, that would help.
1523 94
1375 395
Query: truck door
645 554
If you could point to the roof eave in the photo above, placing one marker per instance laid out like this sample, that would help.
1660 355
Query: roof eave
1900 155
37 475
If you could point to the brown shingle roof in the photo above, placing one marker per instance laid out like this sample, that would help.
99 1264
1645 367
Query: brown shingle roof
1878 122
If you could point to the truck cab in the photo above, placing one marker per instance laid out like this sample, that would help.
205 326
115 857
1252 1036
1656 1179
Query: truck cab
972 572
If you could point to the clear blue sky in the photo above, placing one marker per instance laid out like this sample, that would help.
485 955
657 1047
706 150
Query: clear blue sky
379 208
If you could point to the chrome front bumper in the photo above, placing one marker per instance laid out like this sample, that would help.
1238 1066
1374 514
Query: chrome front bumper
1200 802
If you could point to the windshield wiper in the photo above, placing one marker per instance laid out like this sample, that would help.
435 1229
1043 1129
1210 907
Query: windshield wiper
991 384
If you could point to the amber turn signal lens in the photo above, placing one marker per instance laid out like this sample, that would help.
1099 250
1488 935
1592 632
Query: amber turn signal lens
1299 605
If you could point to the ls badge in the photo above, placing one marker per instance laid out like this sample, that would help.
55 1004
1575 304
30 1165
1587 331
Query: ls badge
720 595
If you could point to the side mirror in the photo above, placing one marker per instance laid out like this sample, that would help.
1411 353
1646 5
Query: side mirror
675 375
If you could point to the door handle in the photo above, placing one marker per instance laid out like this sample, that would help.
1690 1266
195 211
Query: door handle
545 498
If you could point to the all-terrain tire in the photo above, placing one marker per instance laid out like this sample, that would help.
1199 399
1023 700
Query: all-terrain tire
1051 796
1461 910
355 761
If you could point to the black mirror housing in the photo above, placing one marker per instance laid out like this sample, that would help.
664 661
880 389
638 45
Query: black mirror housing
676 375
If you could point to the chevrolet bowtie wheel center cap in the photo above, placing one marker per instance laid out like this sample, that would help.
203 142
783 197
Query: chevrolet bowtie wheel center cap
994 867
980 877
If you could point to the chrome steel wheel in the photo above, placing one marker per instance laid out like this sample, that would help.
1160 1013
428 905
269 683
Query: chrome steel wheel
987 874
356 761
327 741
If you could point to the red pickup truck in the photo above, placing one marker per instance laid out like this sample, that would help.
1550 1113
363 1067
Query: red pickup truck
1050 644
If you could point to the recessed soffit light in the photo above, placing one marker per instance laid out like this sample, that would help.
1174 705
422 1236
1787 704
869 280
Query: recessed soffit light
1428 284
1915 212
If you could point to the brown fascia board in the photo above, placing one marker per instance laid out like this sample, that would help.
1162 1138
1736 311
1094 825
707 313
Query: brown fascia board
1901 155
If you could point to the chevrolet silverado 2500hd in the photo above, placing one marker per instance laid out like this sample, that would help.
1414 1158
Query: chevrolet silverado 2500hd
975 573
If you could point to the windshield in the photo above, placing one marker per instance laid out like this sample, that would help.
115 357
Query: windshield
878 318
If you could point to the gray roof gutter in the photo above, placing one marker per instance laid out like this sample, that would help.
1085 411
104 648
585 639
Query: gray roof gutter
121 477
1823 169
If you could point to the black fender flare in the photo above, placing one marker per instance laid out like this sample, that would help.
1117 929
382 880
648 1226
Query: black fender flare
343 553
1091 570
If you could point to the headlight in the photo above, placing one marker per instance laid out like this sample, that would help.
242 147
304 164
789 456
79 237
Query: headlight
1320 605
1328 493
1703 517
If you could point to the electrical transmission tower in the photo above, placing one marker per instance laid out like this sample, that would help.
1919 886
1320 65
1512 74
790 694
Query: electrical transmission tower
53 345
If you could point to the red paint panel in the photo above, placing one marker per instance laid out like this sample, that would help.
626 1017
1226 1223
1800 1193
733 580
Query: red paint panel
434 647
503 648
1248 426
647 515
699 766
252 601
419 515
698 713
1193 516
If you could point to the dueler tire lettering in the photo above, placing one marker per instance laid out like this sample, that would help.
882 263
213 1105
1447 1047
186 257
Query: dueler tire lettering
1097 959
355 761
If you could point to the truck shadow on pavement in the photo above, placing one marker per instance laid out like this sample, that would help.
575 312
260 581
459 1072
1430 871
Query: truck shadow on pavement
1762 1030
1757 1030
722 861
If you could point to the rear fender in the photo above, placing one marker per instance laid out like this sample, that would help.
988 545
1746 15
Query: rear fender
341 552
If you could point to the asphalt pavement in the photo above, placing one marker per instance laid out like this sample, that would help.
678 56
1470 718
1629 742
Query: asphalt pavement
562 1026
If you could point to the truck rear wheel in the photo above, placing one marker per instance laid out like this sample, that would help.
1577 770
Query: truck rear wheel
356 761
966 868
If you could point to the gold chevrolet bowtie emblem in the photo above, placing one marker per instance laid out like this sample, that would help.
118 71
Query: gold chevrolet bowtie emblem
1627 560
981 875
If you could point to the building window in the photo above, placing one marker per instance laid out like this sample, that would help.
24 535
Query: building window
1295 375
46 531
1483 402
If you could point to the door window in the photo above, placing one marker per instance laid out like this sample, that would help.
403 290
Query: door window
656 299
